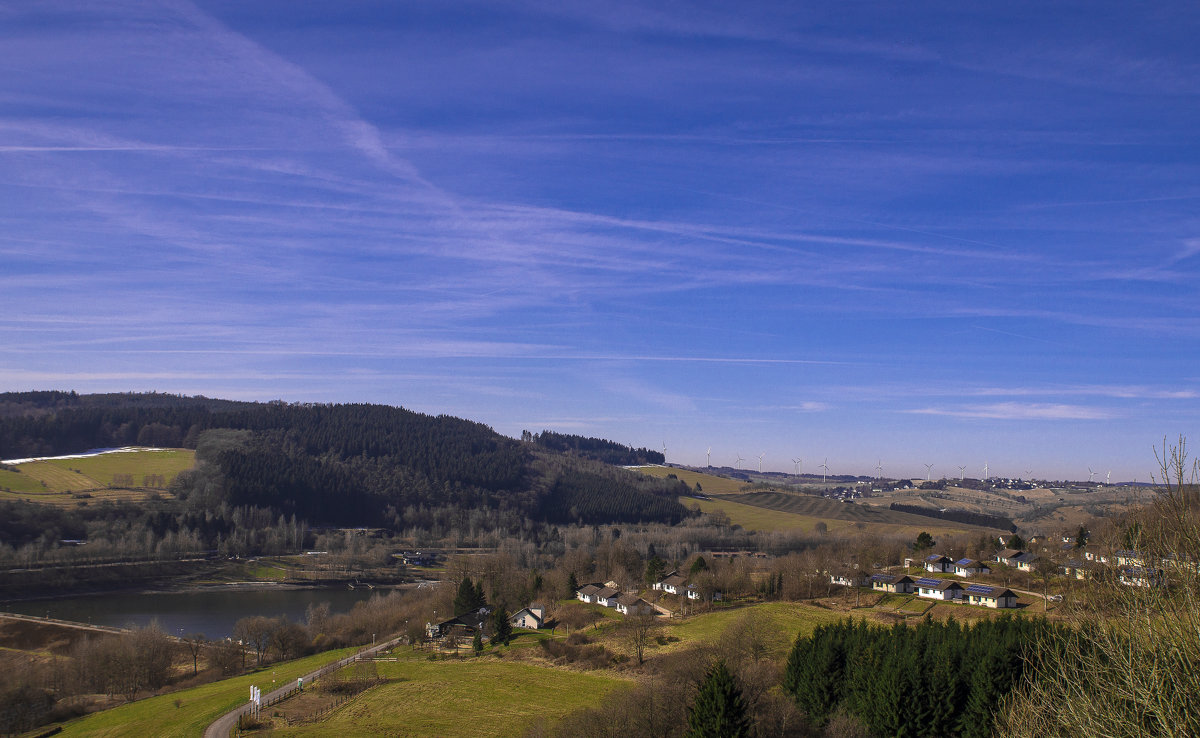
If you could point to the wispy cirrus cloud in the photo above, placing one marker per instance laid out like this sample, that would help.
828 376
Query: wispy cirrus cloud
1019 411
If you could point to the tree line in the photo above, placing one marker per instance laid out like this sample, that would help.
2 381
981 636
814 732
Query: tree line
597 449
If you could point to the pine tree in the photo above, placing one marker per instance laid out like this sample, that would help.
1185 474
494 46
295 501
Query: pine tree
572 585
501 628
464 600
718 711
477 643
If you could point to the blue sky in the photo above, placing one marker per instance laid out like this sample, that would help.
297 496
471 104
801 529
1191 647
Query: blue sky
909 232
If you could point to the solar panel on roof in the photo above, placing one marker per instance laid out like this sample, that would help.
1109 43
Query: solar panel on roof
928 582
980 589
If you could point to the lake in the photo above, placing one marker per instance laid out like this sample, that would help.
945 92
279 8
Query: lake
211 612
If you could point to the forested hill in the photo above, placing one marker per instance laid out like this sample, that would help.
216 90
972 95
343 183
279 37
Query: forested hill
339 464
598 449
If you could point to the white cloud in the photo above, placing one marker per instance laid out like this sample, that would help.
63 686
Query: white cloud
1018 411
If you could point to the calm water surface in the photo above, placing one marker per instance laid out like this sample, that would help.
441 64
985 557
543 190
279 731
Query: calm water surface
212 613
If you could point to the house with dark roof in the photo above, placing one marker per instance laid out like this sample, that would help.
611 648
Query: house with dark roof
848 580
971 568
607 596
938 589
1025 560
896 583
532 617
1008 556
985 596
1130 558
1141 576
1075 568
631 604
461 626
587 593
939 563
673 583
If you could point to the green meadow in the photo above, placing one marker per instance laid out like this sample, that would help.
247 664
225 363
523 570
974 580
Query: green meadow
199 706
465 697
66 482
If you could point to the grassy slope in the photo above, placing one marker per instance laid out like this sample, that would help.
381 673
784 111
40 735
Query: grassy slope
758 518
468 697
780 511
786 620
138 463
709 483
63 477
158 716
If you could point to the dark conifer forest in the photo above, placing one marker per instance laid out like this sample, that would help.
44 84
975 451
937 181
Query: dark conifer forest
939 678
354 464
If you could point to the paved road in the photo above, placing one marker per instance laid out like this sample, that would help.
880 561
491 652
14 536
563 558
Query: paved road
222 726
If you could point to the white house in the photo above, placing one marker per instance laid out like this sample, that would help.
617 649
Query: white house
1130 558
971 568
938 589
672 584
984 596
939 563
900 584
1008 556
848 580
1140 576
532 617
1025 560
606 596
587 593
631 604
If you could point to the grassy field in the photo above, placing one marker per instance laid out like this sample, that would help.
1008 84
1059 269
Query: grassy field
20 484
710 484
138 463
751 517
784 621
468 697
63 482
763 518
158 716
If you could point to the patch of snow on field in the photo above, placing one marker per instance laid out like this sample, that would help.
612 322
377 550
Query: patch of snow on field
83 455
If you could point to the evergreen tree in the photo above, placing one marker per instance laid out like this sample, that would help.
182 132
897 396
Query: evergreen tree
477 643
468 599
572 585
654 569
501 628
719 711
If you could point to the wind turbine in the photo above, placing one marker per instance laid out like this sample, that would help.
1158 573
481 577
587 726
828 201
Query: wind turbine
764 453
708 456
985 471
825 466
1108 478
1091 475
928 471
739 461
962 472
664 450
797 462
